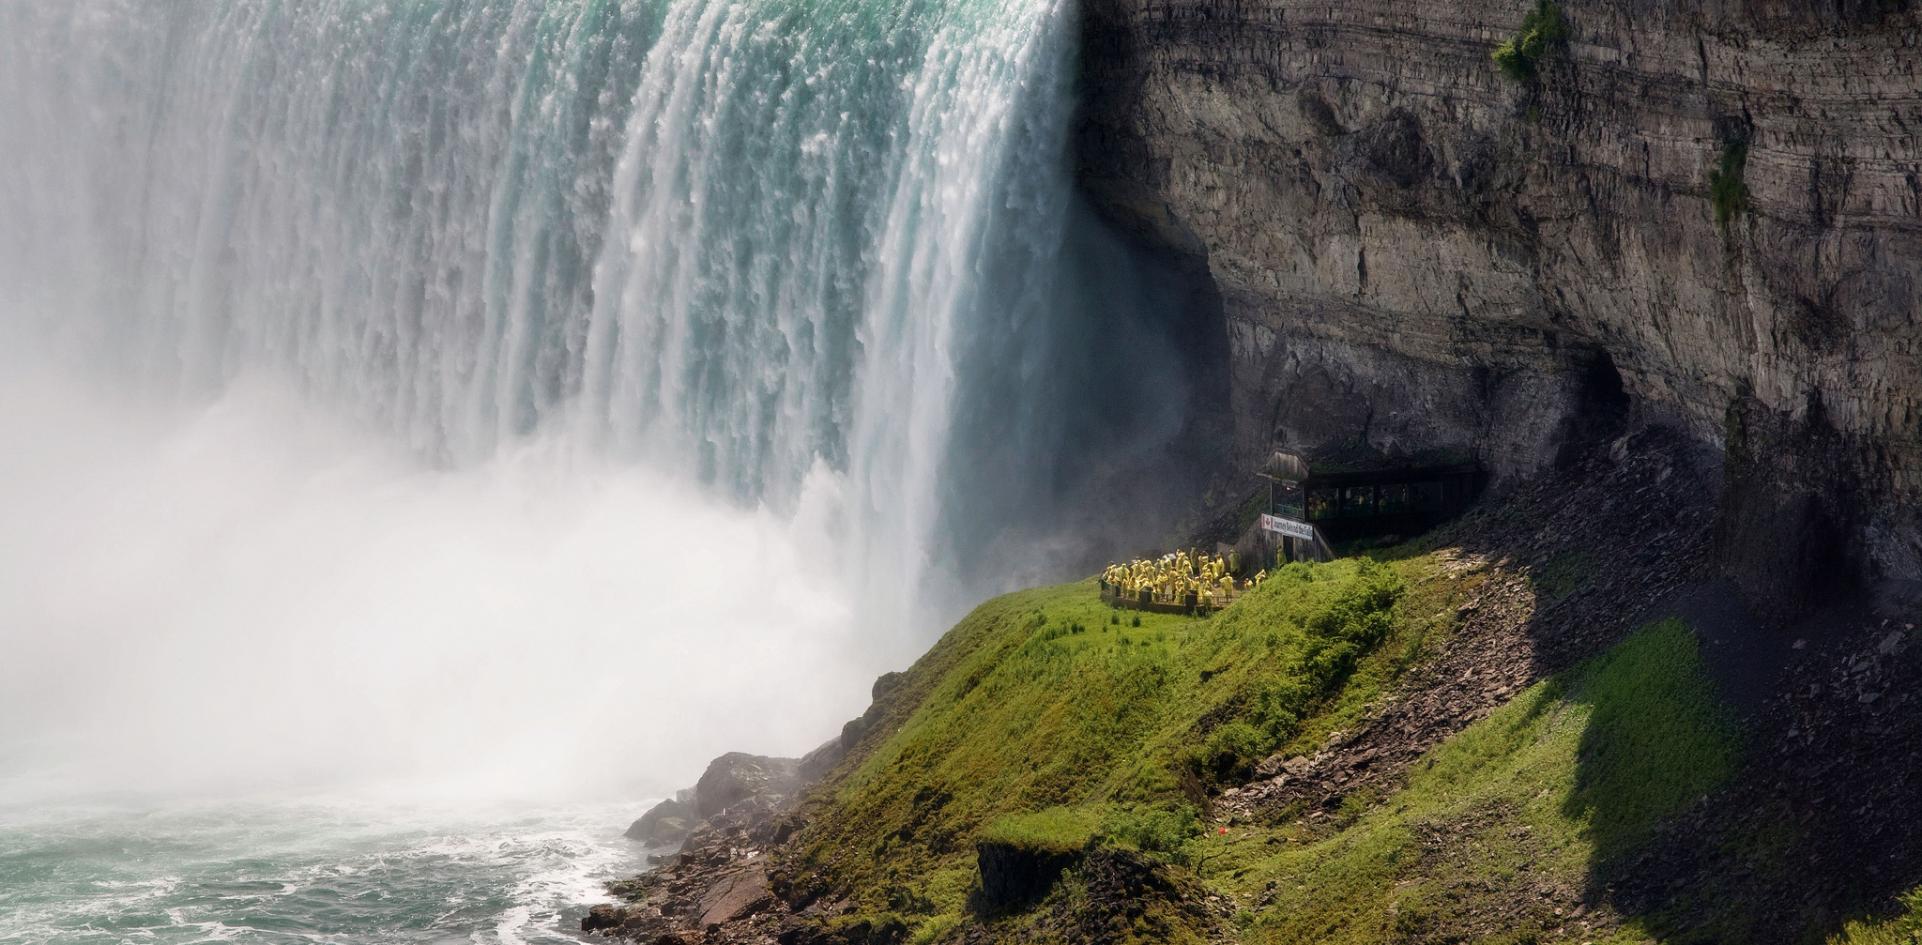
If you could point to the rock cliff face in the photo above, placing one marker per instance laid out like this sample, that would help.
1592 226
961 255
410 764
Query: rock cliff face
1415 253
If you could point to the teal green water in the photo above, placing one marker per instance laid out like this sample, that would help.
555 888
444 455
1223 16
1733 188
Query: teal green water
274 872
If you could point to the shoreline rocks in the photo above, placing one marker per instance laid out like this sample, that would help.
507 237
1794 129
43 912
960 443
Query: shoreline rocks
716 887
666 824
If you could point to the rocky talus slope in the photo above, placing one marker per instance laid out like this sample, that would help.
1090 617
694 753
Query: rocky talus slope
1415 253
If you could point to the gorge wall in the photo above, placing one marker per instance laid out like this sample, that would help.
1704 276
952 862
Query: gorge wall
1415 254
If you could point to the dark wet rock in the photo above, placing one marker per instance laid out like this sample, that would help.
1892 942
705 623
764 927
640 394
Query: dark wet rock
601 918
886 930
1118 895
1013 875
816 764
853 732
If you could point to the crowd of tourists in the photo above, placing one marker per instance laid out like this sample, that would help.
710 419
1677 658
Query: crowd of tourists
1179 577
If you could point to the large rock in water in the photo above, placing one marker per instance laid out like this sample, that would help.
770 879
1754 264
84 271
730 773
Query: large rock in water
1415 255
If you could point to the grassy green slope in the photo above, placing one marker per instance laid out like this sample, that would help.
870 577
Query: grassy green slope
1046 720
1053 700
1506 820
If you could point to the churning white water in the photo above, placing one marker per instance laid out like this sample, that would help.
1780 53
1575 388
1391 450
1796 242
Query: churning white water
529 398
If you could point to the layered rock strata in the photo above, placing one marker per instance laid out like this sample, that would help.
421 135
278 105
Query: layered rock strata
1417 255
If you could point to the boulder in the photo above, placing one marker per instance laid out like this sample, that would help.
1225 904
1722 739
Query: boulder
735 896
602 917
855 730
887 683
1014 875
878 930
735 777
816 764
665 825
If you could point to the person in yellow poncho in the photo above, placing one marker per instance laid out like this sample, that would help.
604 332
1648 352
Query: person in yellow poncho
1173 577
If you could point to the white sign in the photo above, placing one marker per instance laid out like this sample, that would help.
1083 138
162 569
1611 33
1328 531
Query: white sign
1288 527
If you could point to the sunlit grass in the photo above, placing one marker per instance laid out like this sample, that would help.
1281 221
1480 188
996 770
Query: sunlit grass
1904 928
1049 722
1552 786
1056 722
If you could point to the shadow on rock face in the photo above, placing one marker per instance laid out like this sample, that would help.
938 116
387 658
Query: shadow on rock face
1110 895
1791 500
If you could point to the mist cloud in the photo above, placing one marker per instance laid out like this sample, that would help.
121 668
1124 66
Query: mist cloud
252 593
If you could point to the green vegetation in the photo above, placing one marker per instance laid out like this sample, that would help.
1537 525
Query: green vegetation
1543 29
1046 737
1169 830
1054 734
1727 187
1055 830
1903 929
1556 786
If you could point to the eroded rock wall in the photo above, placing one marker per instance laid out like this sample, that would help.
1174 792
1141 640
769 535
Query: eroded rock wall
1415 253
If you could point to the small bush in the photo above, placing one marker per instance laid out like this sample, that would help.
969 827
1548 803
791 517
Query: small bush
1520 56
1151 830
1727 186
1229 753
1509 59
934 929
1137 621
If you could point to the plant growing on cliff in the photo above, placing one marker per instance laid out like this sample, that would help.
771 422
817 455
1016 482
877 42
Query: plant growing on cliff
1727 188
1519 57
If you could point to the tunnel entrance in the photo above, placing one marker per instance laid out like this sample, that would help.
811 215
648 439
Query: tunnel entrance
1309 509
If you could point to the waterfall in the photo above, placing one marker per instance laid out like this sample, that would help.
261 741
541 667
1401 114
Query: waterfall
818 261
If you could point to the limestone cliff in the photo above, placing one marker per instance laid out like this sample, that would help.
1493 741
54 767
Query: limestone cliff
1414 252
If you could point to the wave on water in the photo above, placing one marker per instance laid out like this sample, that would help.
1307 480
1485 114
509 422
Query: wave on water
313 871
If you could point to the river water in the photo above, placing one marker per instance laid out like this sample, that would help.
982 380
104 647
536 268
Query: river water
317 870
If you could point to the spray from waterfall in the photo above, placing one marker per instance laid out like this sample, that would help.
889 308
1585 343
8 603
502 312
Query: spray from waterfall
461 385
